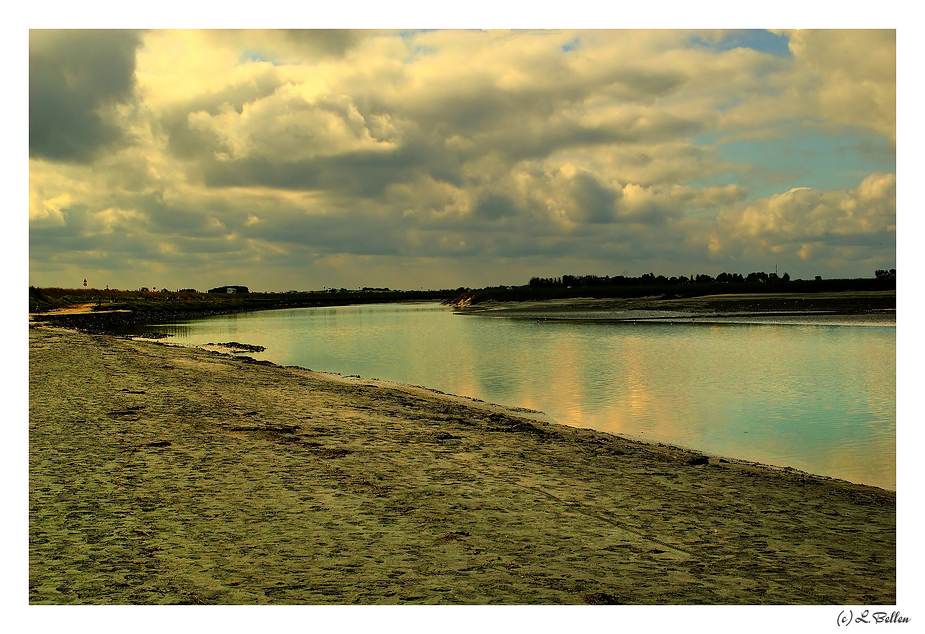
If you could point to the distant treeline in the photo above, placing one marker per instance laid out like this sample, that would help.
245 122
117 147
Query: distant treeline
650 279
651 285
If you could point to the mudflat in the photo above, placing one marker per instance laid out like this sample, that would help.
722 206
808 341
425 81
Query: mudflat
164 475
861 306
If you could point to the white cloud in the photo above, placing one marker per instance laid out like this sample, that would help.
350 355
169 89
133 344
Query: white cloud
849 76
290 126
804 216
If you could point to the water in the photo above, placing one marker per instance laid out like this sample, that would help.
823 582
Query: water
819 398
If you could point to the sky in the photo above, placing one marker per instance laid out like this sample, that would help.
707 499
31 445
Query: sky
308 159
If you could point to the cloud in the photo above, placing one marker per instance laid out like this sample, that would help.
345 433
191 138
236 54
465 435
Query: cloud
77 79
806 221
850 76
617 151
295 125
322 42
495 206
594 202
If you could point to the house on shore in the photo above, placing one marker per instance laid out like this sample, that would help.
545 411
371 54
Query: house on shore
229 289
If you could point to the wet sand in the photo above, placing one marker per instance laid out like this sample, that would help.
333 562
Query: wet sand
162 475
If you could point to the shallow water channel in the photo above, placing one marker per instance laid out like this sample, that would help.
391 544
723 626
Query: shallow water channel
817 397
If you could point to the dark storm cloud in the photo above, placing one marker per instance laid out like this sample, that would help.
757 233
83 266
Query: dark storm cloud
637 84
535 121
324 42
337 232
172 219
82 237
363 174
495 206
878 239
334 174
74 76
595 203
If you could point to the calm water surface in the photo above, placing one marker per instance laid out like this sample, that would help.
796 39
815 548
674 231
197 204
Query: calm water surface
819 398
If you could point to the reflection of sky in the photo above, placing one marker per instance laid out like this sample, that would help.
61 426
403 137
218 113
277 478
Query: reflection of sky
818 398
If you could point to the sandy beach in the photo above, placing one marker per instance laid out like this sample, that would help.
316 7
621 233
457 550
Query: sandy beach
165 475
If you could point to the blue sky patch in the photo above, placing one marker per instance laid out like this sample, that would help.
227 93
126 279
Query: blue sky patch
255 56
804 158
759 40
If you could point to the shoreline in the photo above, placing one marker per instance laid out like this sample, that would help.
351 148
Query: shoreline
513 410
883 477
164 474
862 305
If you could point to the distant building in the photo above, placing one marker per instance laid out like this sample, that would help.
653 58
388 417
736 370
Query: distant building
229 289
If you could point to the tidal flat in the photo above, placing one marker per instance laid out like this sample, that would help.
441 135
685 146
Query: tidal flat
161 474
